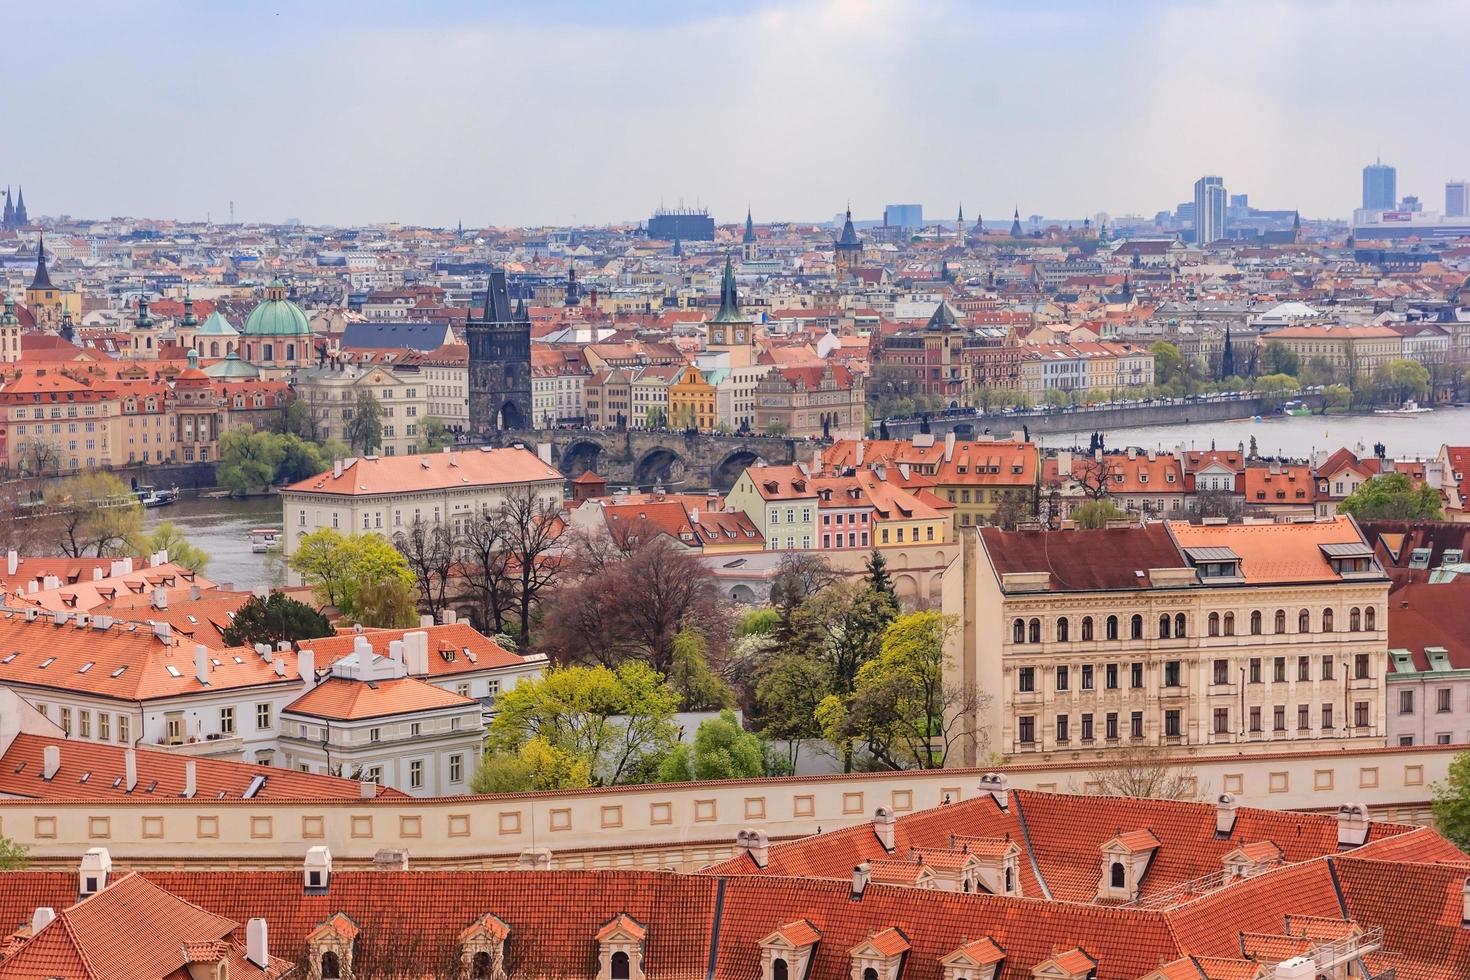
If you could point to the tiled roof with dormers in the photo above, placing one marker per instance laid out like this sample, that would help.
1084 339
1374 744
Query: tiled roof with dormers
444 638
341 699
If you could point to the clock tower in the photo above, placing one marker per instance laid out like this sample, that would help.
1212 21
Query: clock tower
728 330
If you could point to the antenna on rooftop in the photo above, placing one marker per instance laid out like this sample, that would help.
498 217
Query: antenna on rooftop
232 212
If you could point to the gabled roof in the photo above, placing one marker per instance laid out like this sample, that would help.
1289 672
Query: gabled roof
340 699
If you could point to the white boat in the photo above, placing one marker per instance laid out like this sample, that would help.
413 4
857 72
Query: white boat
263 539
153 497
1409 407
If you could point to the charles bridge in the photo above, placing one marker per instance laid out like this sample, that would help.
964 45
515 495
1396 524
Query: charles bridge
645 458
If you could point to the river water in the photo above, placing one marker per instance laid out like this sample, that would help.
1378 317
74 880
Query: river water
1296 435
222 526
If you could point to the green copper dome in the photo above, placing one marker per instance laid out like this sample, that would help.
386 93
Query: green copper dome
232 369
276 316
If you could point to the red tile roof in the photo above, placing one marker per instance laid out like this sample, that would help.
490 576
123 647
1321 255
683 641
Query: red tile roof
340 699
367 476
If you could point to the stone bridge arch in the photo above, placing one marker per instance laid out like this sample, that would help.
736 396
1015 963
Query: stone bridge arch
660 466
581 456
722 475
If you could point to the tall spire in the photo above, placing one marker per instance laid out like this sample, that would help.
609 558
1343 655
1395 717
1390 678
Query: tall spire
21 218
9 218
959 225
749 228
729 297
1016 223
42 279
189 319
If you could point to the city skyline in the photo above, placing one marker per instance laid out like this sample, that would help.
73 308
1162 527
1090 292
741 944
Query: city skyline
567 115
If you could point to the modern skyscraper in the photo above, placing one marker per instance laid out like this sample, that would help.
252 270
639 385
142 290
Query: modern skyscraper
906 216
1380 186
1457 199
1209 209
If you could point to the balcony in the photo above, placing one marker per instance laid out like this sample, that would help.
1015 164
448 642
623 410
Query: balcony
209 747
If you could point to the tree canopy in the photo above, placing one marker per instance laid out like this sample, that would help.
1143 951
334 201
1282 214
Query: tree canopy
93 512
365 428
169 537
1452 802
274 619
340 568
1393 496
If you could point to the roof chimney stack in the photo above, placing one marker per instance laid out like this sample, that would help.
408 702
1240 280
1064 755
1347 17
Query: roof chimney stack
41 918
755 843
306 668
336 469
50 761
96 865
860 876
160 598
317 869
130 767
1352 825
883 827
257 943
1225 807
998 786
12 561
201 663
190 780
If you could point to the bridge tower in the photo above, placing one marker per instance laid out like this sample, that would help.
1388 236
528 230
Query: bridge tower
500 362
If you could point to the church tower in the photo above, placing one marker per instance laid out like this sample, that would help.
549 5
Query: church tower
748 250
8 220
21 218
574 290
959 227
500 362
9 332
1016 224
43 299
847 250
728 331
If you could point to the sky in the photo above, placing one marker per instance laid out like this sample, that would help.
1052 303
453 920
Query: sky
595 111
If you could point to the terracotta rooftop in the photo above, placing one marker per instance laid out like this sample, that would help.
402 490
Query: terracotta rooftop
339 699
370 476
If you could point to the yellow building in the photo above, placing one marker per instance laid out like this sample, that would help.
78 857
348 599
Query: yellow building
692 401
1356 348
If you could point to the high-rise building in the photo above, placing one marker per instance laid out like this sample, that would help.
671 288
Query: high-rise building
1380 186
909 216
682 224
1209 209
1457 199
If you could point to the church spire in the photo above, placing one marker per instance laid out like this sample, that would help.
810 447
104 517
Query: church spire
189 319
42 279
749 229
21 218
1016 223
959 225
9 218
729 296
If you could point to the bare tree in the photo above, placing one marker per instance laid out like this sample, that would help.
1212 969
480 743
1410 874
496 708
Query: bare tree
1145 772
1218 503
1090 474
429 550
529 527
485 576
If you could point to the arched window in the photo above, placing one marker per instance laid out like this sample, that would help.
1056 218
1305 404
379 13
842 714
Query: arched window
1136 628
1370 618
1280 621
870 974
1164 626
1018 631
1256 623
1117 878
1010 879
1086 628
1112 627
778 969
1033 633
620 966
1230 624
1304 622
1214 624
1327 620
1355 619
1064 630
214 348
480 966
1179 623
331 967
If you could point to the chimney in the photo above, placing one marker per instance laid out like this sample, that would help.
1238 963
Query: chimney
50 761
416 652
1464 905
96 865
60 616
883 827
51 582
263 650
130 767
41 918
1064 462
694 515
391 859
201 663
162 557
1153 456
395 651
96 573
336 469
998 787
284 646
857 460
117 568
367 789
860 875
1352 825
280 666
1132 453
12 561
543 450
425 620
190 779
163 631
257 943
949 445
1225 807
102 622
317 868
160 598
450 617
755 843
306 668
194 593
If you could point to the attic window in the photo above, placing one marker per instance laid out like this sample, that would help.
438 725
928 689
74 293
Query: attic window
9 657
1452 556
118 672
46 663
85 667
1419 558
172 670
253 788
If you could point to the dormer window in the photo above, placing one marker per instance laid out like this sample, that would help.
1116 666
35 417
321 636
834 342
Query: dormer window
880 956
1125 861
482 949
787 952
620 949
1074 964
980 959
329 947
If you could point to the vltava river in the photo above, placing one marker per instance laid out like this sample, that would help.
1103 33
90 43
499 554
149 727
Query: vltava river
222 528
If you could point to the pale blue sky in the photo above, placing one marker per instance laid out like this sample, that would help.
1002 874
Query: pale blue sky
595 111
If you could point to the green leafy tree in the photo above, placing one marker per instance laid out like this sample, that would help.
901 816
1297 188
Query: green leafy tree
169 537
1096 513
1393 497
758 622
1277 358
1337 396
386 604
365 428
433 434
1168 362
339 567
1452 802
299 459
274 619
92 512
721 750
1056 398
700 688
901 707
615 723
248 459
1401 380
1274 388
878 578
297 419
535 767
13 856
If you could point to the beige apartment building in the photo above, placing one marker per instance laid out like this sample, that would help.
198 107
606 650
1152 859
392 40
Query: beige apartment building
1360 348
332 393
1174 636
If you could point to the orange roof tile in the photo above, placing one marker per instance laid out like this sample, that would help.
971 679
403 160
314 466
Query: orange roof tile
340 699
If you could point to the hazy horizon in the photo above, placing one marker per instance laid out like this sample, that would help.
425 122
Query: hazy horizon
578 113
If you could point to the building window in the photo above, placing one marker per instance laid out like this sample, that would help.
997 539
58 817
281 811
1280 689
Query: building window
1214 624
1063 723
1164 626
1360 714
1222 672
227 721
1303 717
1033 631
1222 721
1278 670
1406 702
1112 633
1255 670
1360 667
1064 630
1303 668
84 724
263 715
1087 728
1136 627
1370 617
1304 622
1280 623
1278 718
1027 729
1135 678
124 724
1230 624
1327 717
1171 673
416 774
1326 668
1110 725
1355 619
1087 677
104 726
1256 623
1026 679
174 730
375 734
456 768
1018 631
1327 620
1063 680
1171 723
1086 628
1135 724
1110 673
1442 700
1255 717
1179 624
